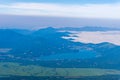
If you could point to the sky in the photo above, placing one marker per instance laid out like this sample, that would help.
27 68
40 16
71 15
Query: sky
66 11
62 1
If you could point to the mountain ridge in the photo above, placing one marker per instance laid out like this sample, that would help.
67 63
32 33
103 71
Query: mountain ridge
31 47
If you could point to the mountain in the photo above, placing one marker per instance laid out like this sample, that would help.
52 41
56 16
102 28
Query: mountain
89 29
23 31
46 46
9 38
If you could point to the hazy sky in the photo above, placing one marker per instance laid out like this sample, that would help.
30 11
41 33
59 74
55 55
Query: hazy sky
59 13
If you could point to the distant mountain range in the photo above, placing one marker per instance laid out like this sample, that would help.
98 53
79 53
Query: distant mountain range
45 46
89 29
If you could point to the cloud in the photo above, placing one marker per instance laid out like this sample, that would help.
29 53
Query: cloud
62 10
96 37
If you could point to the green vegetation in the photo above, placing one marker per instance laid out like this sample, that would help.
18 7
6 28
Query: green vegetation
16 69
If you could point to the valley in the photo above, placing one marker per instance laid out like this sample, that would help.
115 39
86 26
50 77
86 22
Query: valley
45 53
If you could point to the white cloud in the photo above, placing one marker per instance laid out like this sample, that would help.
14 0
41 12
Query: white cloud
45 9
96 37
